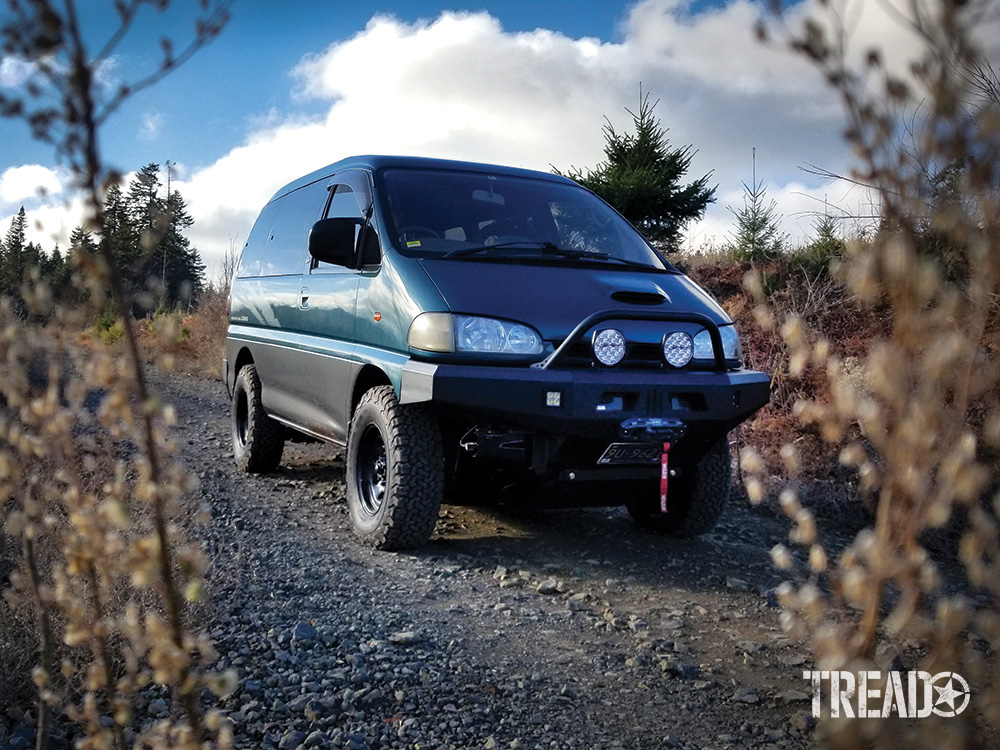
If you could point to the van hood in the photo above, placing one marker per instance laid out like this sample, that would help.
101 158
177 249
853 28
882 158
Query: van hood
554 299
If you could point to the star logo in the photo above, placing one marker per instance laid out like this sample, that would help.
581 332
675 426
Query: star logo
947 693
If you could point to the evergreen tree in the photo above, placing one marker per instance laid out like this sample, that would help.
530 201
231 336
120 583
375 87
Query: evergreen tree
827 242
55 271
183 273
758 235
81 238
118 232
13 261
642 179
12 252
147 232
147 218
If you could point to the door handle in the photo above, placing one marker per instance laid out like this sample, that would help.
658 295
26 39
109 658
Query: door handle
304 299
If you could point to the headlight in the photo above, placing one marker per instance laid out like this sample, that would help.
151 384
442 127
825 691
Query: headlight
730 344
468 334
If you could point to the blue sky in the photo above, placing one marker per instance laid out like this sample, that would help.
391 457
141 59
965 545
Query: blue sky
243 76
290 86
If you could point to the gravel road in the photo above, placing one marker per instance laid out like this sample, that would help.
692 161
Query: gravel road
513 628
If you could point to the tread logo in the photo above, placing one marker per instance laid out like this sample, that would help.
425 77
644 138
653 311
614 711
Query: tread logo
858 694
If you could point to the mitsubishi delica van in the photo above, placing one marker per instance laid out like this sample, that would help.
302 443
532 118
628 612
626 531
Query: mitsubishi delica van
470 331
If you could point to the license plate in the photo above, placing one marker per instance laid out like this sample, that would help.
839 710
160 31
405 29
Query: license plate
631 453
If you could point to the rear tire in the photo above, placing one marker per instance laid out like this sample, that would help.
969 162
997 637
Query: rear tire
395 471
695 501
258 440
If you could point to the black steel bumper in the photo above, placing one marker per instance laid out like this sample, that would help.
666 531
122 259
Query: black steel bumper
591 402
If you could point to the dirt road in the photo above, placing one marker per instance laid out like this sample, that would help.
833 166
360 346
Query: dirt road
512 628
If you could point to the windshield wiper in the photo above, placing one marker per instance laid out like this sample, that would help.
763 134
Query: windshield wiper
526 244
545 248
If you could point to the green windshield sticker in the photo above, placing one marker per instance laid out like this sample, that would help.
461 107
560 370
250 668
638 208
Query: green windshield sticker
413 243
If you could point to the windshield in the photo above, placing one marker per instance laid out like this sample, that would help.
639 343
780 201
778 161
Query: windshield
474 214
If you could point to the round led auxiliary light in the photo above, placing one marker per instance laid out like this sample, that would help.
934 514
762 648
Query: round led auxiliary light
609 347
678 349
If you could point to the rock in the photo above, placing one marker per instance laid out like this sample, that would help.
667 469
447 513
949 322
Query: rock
802 722
304 633
792 660
775 735
404 638
313 710
298 705
737 583
549 587
792 696
22 739
291 740
680 669
747 695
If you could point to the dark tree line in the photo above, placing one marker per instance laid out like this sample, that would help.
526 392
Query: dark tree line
145 231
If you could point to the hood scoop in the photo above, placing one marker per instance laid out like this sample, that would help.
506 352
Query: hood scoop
638 298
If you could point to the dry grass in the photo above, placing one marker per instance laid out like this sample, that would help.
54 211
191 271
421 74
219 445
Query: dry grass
193 343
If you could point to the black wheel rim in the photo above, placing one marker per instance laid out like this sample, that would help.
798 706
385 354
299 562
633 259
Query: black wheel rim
372 470
241 419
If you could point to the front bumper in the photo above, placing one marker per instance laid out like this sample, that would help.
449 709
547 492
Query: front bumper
589 403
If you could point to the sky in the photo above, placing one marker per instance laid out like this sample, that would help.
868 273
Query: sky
292 86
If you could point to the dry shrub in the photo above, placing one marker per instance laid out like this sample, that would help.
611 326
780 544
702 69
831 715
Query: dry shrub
195 341
918 414
91 495
823 302
91 492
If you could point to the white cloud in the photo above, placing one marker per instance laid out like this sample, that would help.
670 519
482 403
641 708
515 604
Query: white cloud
460 86
149 129
49 224
15 71
27 183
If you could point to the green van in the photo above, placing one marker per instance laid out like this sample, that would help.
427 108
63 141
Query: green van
477 331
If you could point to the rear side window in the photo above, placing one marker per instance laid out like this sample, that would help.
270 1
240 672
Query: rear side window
288 245
253 251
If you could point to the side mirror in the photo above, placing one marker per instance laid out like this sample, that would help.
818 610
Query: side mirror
334 240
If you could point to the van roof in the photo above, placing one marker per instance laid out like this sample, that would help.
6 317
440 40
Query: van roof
378 162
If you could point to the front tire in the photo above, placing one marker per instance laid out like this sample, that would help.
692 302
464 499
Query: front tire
258 440
695 500
395 471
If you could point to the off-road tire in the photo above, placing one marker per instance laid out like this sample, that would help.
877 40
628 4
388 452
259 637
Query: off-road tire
395 471
258 440
695 500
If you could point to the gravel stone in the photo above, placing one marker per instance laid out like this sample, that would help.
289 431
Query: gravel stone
518 627
747 695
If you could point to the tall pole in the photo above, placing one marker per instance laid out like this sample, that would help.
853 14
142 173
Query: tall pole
163 277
